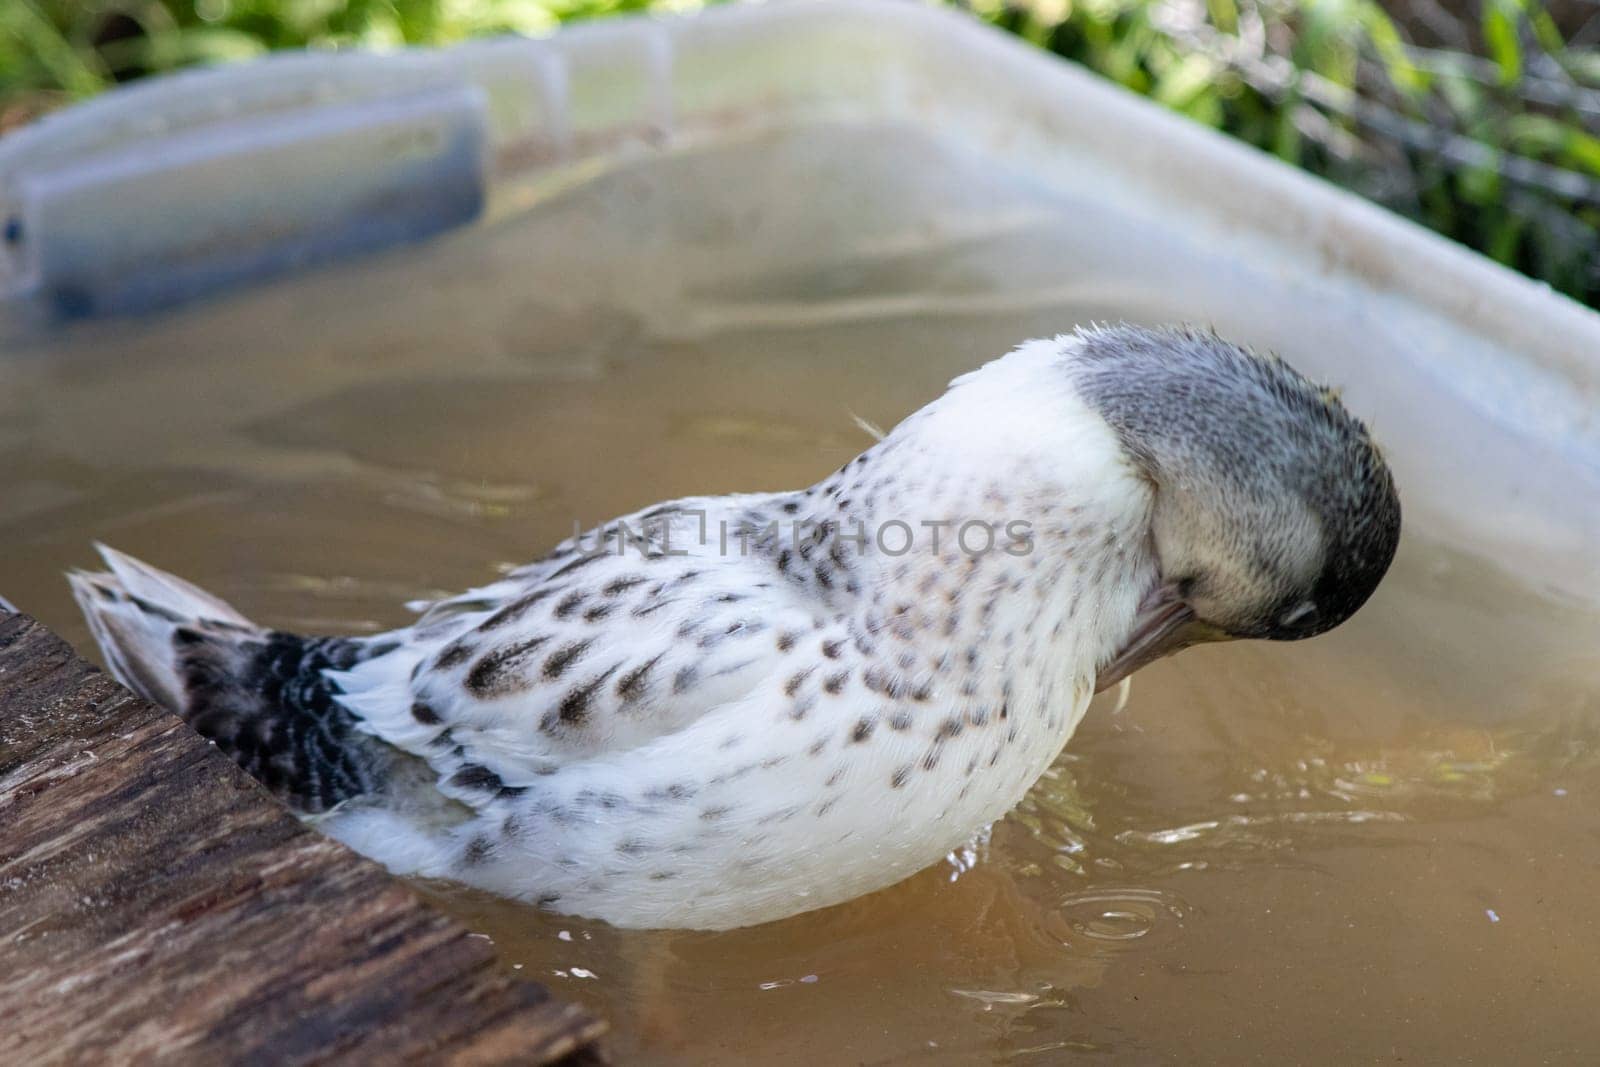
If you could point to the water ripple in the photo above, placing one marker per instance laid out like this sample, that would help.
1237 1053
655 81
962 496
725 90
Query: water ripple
1119 917
1241 829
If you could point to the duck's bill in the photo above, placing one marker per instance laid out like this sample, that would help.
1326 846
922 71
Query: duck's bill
1165 625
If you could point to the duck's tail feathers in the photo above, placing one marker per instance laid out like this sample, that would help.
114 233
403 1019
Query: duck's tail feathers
260 695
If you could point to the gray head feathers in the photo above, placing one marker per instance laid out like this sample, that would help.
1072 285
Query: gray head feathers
1275 515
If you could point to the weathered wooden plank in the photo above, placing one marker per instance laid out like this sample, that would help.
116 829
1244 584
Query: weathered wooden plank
154 901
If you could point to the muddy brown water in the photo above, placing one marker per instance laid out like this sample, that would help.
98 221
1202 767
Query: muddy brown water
1380 845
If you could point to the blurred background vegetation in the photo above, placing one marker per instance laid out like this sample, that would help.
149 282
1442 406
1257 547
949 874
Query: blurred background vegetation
1477 118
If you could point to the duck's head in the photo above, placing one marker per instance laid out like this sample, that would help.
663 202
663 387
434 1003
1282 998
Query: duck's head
1273 514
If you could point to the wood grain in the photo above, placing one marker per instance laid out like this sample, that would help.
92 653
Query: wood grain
155 902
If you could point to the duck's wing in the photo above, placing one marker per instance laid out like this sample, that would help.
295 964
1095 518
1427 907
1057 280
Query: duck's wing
590 652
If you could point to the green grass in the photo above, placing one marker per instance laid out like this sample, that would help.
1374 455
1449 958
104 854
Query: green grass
1487 135
1478 118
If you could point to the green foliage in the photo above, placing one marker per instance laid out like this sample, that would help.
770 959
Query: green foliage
1481 121
1491 137
79 47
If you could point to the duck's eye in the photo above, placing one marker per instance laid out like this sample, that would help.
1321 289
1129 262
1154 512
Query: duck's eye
1300 616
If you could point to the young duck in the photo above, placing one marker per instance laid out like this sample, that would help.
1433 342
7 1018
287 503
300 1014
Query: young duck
726 710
